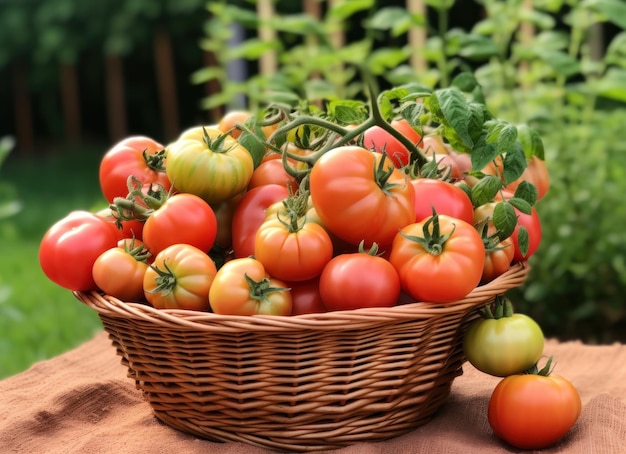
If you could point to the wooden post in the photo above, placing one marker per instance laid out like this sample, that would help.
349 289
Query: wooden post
526 34
417 37
115 97
268 63
70 101
166 83
23 110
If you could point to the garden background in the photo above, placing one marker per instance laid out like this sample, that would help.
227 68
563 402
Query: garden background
77 76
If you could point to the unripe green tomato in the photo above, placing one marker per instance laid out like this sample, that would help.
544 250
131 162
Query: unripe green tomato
503 346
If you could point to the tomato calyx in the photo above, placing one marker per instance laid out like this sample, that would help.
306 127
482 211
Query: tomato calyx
382 173
432 240
294 209
545 371
136 250
260 289
373 250
151 199
502 308
165 280
216 145
155 161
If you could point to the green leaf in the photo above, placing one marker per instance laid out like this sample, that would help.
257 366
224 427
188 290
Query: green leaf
504 219
526 191
531 142
514 163
386 17
560 62
612 85
486 189
252 143
478 47
455 111
348 111
522 240
521 205
465 82
616 50
341 11
613 10
482 153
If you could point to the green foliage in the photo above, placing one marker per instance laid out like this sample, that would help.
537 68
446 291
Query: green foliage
553 95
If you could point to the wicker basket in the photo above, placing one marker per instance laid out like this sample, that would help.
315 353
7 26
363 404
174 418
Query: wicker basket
307 382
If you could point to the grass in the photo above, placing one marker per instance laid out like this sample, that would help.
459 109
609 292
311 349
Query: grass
38 319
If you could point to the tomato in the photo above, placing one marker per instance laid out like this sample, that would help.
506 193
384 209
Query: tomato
70 247
138 156
497 260
305 297
224 212
272 171
359 195
444 197
439 259
119 271
293 248
229 121
536 172
207 163
243 287
434 145
378 139
357 280
182 218
180 278
503 343
531 411
250 214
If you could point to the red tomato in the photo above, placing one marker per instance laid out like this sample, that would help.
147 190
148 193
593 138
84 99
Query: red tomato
180 278
250 214
243 287
439 260
360 196
71 246
357 280
443 197
137 156
531 411
305 297
272 171
182 218
119 272
293 250
378 139
498 260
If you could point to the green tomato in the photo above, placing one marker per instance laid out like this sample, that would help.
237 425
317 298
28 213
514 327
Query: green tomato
503 346
205 162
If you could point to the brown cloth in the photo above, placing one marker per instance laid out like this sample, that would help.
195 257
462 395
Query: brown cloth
82 402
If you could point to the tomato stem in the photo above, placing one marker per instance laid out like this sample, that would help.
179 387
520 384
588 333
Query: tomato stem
260 289
433 241
155 161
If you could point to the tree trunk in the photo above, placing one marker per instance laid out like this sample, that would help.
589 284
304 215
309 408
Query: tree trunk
166 83
23 111
212 87
70 102
115 97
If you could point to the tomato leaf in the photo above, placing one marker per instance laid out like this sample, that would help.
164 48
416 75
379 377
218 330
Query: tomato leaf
527 191
504 219
477 118
514 163
249 140
465 82
455 111
482 153
531 141
486 189
521 205
522 240
347 111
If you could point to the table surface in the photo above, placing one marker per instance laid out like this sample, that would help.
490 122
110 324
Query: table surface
82 401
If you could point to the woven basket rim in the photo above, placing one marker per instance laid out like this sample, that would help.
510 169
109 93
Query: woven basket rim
113 307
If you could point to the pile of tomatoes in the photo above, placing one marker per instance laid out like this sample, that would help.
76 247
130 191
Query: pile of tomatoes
205 224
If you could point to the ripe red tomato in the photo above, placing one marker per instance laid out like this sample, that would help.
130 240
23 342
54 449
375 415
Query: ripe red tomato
444 197
272 171
180 278
138 156
250 214
531 411
243 287
360 279
182 218
360 196
70 247
378 139
305 297
293 250
439 259
119 272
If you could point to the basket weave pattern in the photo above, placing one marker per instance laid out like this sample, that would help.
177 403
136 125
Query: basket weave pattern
308 382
